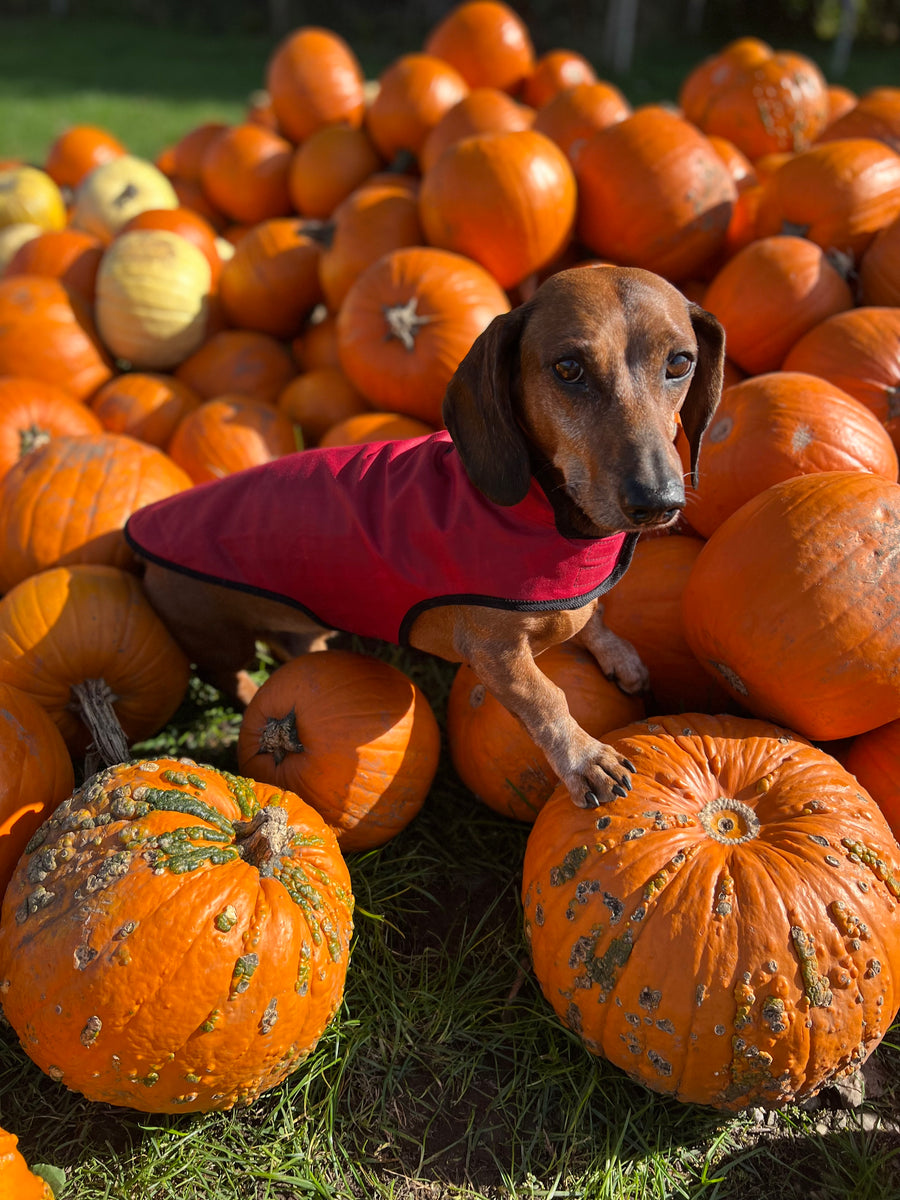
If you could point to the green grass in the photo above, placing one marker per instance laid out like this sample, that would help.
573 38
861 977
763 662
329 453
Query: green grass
446 1074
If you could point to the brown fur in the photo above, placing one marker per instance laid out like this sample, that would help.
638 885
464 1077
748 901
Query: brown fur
604 448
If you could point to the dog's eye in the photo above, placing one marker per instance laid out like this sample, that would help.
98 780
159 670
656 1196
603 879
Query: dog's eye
569 370
679 365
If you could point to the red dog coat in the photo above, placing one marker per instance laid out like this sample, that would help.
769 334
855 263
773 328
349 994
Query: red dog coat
365 537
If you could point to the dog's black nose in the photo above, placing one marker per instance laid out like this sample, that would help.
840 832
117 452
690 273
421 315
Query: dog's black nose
644 505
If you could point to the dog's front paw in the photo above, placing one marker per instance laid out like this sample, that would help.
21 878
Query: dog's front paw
601 777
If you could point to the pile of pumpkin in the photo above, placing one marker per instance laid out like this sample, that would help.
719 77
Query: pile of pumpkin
313 275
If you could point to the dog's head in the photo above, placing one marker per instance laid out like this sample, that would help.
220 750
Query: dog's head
585 384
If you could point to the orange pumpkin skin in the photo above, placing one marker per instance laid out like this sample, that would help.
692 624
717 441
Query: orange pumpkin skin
352 735
681 194
211 962
723 932
857 350
838 194
874 758
16 1178
314 79
244 173
69 627
879 269
774 426
32 412
554 72
144 405
68 501
187 224
69 255
644 607
36 774
77 150
230 433
494 756
414 92
47 333
482 110
487 42
271 283
573 116
761 99
770 294
328 166
522 174
373 220
373 427
786 604
875 115
318 399
407 323
188 151
238 360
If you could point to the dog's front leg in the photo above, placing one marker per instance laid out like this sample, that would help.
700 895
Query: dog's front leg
593 772
617 658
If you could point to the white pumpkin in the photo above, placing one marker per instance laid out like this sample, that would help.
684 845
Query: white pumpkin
110 195
152 298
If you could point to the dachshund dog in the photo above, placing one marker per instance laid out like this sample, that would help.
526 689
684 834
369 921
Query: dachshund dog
484 543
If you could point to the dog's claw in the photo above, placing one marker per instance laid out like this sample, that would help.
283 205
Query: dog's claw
591 799
620 791
629 766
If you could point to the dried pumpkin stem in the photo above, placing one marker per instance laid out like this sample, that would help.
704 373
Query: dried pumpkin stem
93 701
404 322
279 738
264 840
32 438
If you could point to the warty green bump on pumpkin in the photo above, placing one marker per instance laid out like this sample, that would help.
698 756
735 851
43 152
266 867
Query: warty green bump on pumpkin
169 800
874 862
815 986
225 920
569 866
244 969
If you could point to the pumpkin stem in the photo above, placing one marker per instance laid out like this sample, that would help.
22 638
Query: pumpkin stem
265 839
93 701
404 322
893 402
32 438
279 738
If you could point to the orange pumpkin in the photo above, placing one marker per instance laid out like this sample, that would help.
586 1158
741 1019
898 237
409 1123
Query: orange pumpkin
16 1178
840 100
188 151
77 150
316 344
68 255
407 323
726 932
774 426
874 758
644 608
857 350
37 775
373 220
769 294
83 642
227 434
554 72
490 749
482 110
47 333
318 399
238 360
68 501
761 99
838 194
271 282
352 735
329 165
373 427
314 79
786 604
32 412
876 114
414 92
680 194
487 42
211 961
519 173
143 404
244 173
573 116
879 269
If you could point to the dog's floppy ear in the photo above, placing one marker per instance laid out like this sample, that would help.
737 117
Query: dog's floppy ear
706 386
479 412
